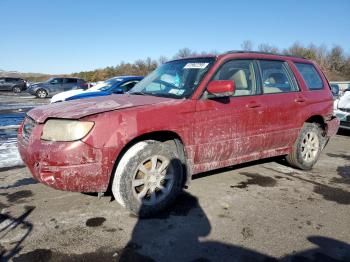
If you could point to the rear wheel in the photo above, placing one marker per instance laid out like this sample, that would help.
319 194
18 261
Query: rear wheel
16 89
41 93
307 147
148 178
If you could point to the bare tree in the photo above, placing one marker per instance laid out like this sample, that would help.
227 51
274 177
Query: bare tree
336 58
162 60
247 45
268 48
184 52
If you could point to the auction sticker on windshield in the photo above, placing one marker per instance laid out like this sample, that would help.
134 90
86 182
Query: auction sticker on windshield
196 65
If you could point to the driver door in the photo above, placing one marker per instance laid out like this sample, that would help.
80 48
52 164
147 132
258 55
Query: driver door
228 130
56 86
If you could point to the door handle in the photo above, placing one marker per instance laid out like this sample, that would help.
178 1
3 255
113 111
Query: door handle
300 100
253 105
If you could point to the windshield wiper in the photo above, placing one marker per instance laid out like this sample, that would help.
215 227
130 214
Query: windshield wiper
137 93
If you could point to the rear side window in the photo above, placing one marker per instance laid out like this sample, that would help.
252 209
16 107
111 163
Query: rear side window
70 81
276 77
311 77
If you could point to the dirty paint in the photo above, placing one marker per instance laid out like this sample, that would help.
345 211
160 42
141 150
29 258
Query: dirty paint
215 132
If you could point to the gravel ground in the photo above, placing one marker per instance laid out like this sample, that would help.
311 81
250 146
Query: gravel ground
260 211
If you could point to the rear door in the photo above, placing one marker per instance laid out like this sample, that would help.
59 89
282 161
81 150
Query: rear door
228 129
282 103
9 83
69 84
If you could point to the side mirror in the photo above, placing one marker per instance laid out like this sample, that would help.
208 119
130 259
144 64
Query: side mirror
221 88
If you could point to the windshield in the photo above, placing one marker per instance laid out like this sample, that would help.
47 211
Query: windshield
106 85
175 79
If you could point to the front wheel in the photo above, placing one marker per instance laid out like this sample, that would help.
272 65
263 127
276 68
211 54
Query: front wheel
307 147
148 178
16 89
41 93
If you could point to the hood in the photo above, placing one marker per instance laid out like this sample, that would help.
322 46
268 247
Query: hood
64 95
344 101
79 108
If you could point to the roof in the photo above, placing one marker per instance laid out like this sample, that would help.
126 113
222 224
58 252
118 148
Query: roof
239 52
258 52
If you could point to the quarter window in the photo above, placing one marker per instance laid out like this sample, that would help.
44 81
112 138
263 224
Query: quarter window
310 75
242 73
276 77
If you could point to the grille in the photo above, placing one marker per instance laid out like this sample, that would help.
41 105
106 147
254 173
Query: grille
28 127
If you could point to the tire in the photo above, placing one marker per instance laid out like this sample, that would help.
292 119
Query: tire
16 89
147 192
41 93
307 147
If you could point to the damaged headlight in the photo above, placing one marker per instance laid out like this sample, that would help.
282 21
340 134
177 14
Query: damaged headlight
65 130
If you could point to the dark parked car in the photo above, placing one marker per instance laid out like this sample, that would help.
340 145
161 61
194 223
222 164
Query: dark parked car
188 116
56 85
14 84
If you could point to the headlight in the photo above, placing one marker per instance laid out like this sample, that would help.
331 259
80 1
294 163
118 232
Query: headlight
65 130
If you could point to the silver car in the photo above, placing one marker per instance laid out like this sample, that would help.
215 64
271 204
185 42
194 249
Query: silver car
56 85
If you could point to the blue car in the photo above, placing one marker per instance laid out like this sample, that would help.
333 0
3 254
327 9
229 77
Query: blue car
115 85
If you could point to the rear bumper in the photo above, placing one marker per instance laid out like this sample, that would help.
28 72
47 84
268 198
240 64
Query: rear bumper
70 166
332 126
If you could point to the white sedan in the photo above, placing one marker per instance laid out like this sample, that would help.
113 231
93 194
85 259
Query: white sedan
342 110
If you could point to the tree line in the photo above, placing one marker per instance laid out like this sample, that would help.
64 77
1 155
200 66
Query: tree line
334 61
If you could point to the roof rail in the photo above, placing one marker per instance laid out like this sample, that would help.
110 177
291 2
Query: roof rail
259 52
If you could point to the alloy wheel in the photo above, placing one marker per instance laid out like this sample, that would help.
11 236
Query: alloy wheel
153 180
310 146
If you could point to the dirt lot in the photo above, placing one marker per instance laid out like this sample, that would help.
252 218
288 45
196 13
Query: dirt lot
260 211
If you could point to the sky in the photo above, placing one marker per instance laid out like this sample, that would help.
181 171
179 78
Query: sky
65 36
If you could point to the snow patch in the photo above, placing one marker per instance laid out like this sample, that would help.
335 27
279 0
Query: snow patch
9 155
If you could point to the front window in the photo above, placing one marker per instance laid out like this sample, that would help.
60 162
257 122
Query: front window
175 79
54 81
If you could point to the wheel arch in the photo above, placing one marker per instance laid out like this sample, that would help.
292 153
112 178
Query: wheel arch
161 136
317 119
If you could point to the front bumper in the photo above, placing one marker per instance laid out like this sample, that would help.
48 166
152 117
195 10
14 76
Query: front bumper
31 91
70 166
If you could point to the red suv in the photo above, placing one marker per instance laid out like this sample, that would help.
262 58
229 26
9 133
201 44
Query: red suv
188 116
